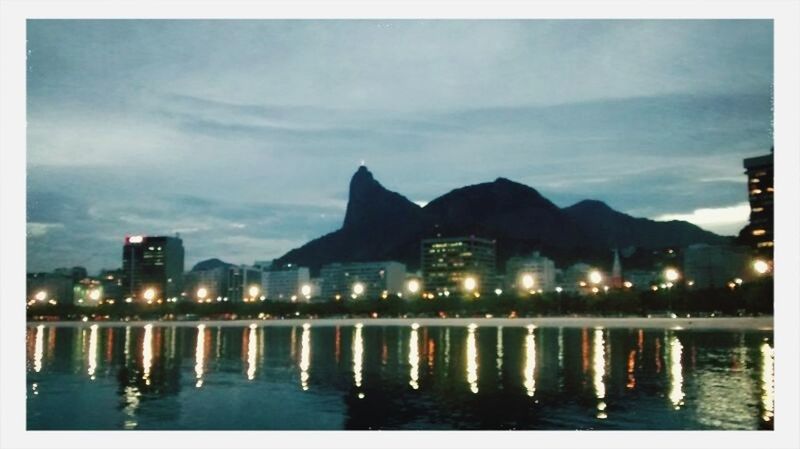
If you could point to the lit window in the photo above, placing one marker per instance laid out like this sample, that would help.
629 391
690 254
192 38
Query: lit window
755 191
758 209
766 244
770 189
755 181
759 232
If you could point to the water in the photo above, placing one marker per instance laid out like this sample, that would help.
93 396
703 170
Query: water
161 376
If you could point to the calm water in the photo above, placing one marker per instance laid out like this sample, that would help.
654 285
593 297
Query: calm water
396 377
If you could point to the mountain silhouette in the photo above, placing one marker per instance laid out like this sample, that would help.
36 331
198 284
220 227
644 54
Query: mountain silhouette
383 225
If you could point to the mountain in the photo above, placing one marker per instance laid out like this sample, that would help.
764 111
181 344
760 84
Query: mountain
210 264
383 225
608 228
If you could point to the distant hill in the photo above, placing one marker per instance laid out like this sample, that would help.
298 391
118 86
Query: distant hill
210 264
383 225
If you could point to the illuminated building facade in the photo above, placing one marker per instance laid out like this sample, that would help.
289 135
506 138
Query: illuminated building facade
759 232
448 262
244 283
373 277
213 281
284 283
534 272
152 264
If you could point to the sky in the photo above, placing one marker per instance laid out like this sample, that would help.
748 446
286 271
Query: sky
242 135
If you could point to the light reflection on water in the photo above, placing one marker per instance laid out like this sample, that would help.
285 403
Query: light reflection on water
709 379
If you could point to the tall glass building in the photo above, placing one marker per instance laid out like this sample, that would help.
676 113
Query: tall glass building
152 267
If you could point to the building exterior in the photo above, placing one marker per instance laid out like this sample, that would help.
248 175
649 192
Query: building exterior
707 266
210 284
287 282
575 277
152 267
111 282
244 283
88 292
642 279
759 232
448 262
535 269
49 288
372 278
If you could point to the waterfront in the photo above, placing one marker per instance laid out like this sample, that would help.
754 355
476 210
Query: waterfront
401 374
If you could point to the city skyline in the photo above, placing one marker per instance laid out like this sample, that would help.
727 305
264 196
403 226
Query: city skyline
242 135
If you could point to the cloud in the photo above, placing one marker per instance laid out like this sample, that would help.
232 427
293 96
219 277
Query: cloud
722 220
252 129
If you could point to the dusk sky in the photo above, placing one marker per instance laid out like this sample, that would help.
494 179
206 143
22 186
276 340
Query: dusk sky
242 135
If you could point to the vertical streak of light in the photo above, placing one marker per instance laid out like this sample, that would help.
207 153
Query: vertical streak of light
147 353
675 372
447 351
200 355
413 359
599 371
472 360
92 352
127 343
631 370
499 351
38 348
358 355
305 356
530 361
251 353
767 382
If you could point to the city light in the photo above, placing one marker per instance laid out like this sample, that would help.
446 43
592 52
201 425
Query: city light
413 286
595 277
627 284
527 281
94 294
253 291
470 283
149 295
760 266
202 292
306 290
498 291
358 289
671 274
559 289
41 295
135 239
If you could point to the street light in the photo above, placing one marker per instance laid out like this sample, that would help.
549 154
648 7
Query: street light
253 292
94 294
306 290
527 281
760 266
41 295
595 277
358 289
413 286
470 283
671 274
498 291
202 292
149 295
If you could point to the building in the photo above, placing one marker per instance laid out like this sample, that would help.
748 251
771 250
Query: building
759 232
368 279
152 267
287 283
534 272
642 279
576 277
88 292
49 288
244 284
448 263
204 285
111 283
708 266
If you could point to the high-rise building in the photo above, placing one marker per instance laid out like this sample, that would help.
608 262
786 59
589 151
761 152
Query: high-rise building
759 232
576 277
534 272
287 283
367 279
448 264
244 283
152 267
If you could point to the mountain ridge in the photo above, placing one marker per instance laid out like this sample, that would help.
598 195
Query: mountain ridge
381 224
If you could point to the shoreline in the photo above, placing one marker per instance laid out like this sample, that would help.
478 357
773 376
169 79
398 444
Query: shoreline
764 323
